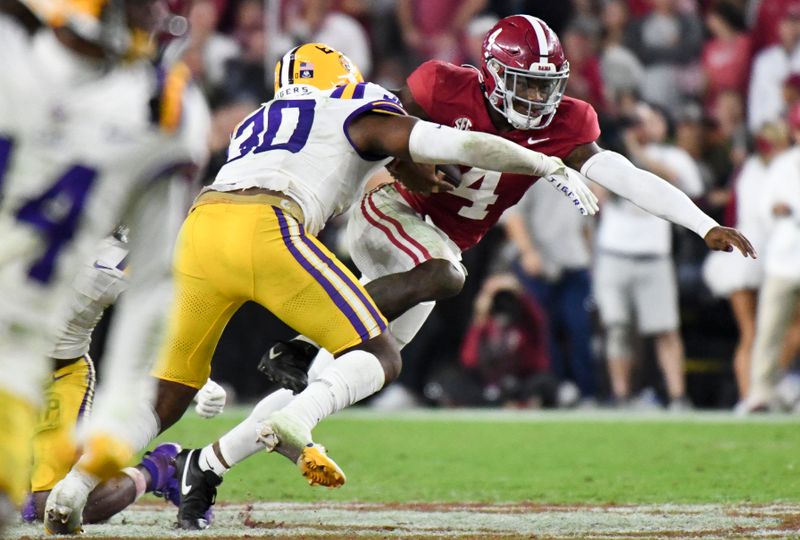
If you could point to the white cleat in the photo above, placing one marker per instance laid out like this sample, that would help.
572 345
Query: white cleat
64 509
286 434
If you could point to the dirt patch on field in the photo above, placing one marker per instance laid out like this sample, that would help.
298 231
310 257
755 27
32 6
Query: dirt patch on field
462 521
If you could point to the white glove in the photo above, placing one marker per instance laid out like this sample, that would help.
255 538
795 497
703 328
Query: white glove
210 400
571 185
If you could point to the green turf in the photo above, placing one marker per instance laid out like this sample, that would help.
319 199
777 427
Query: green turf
510 459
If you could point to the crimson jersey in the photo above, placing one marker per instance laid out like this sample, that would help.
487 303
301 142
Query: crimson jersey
452 95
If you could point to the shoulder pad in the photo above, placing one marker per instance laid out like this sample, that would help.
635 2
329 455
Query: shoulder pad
382 99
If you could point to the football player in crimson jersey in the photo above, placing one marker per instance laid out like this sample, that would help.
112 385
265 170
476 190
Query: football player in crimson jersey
408 245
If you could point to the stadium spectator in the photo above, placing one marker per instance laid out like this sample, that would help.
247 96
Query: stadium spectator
668 43
204 49
779 296
435 29
317 21
621 70
766 29
585 79
771 67
552 264
634 276
738 280
726 56
504 353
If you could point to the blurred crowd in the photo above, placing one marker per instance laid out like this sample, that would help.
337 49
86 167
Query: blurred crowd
561 310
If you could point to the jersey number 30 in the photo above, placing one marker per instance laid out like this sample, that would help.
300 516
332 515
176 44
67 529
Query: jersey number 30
55 213
291 135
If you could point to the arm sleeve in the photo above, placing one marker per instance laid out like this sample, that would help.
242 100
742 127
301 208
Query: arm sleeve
437 144
647 191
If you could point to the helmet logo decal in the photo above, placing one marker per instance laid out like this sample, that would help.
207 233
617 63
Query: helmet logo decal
306 70
493 37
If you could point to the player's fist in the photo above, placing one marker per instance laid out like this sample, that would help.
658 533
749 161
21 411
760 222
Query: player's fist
726 239
419 177
210 400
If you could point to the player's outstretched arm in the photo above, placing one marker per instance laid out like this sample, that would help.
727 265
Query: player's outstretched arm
654 195
424 142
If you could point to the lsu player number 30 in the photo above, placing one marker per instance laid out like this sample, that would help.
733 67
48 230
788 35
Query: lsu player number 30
87 126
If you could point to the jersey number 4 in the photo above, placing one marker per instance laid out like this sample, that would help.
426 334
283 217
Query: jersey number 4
478 187
292 135
55 213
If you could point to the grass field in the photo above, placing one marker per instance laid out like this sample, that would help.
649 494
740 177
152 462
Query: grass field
509 474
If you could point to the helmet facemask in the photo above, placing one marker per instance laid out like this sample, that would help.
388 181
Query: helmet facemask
527 98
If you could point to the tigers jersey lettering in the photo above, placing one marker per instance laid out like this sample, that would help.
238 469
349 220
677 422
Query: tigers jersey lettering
328 175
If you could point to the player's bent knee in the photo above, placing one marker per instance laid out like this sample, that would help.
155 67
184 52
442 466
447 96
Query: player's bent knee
387 352
441 279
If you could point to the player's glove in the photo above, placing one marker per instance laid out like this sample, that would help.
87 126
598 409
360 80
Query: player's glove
210 400
286 363
570 184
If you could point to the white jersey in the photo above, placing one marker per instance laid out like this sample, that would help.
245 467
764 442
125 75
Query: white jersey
298 144
98 284
80 143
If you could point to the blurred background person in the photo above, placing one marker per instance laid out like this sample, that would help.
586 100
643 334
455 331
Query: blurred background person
780 293
436 29
621 70
634 275
503 359
668 42
726 56
736 279
552 264
771 67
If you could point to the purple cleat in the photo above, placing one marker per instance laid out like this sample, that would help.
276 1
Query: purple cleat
160 463
29 509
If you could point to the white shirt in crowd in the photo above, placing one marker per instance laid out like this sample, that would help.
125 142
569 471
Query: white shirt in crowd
765 97
627 229
558 232
782 257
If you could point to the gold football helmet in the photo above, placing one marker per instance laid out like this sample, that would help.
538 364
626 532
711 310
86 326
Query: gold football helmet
122 28
318 65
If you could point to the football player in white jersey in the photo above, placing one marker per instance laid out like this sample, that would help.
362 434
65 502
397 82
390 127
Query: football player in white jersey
70 393
292 165
88 128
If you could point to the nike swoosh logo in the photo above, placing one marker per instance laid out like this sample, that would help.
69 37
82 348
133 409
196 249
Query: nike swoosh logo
102 266
272 354
531 140
186 488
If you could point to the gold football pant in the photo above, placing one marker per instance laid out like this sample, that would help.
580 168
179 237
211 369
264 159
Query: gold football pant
67 400
235 248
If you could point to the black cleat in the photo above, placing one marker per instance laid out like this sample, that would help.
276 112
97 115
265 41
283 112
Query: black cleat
198 491
286 363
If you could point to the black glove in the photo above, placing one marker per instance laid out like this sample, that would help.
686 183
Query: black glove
286 363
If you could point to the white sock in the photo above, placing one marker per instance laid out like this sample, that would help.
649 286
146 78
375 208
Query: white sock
210 462
347 380
320 364
240 442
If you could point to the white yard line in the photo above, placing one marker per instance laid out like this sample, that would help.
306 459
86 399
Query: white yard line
348 520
